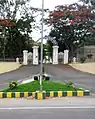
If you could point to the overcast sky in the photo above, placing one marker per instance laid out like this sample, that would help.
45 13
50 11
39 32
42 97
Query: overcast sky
51 3
48 4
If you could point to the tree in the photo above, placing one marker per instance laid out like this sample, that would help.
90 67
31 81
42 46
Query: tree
91 5
18 12
70 25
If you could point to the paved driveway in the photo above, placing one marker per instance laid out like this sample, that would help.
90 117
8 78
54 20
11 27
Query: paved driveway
59 72
19 74
66 73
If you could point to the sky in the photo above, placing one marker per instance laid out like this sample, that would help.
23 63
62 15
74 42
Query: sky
51 3
48 4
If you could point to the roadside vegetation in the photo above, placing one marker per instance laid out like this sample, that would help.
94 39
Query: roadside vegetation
47 86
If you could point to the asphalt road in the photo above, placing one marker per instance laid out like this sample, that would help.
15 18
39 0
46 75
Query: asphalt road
62 73
48 114
66 73
63 108
19 74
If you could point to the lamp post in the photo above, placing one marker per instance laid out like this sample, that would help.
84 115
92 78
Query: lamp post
41 63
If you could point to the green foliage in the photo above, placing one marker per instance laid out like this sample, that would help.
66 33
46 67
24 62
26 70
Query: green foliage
13 85
49 48
79 28
70 84
89 56
43 71
47 86
16 38
82 59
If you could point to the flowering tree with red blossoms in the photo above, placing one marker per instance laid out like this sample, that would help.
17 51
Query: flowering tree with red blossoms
6 23
17 21
72 25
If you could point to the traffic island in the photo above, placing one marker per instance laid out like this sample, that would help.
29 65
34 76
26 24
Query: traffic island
50 89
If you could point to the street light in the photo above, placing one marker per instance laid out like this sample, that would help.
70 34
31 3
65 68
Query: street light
41 65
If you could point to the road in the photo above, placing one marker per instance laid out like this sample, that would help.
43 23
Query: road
63 108
61 73
66 73
48 114
19 74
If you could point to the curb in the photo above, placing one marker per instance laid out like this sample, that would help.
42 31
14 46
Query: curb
45 94
51 94
16 94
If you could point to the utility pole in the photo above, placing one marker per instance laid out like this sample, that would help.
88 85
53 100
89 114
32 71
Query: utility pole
41 63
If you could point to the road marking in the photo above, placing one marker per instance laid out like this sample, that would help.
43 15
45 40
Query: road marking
31 108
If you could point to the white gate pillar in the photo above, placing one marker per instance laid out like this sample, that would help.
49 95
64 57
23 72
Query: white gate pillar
35 55
66 53
25 57
55 55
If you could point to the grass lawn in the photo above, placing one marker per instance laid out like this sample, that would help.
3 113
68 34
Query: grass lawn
47 86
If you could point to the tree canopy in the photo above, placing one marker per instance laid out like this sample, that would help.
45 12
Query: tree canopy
17 21
72 25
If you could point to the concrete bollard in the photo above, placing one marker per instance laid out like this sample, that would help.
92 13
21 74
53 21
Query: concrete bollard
17 60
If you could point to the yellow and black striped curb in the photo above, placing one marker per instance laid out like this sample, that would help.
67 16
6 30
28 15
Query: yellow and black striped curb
67 93
16 94
43 95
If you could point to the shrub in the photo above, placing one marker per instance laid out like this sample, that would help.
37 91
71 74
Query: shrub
13 85
89 56
82 59
73 86
70 84
81 88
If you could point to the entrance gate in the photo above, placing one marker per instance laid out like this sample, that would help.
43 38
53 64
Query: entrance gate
34 58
